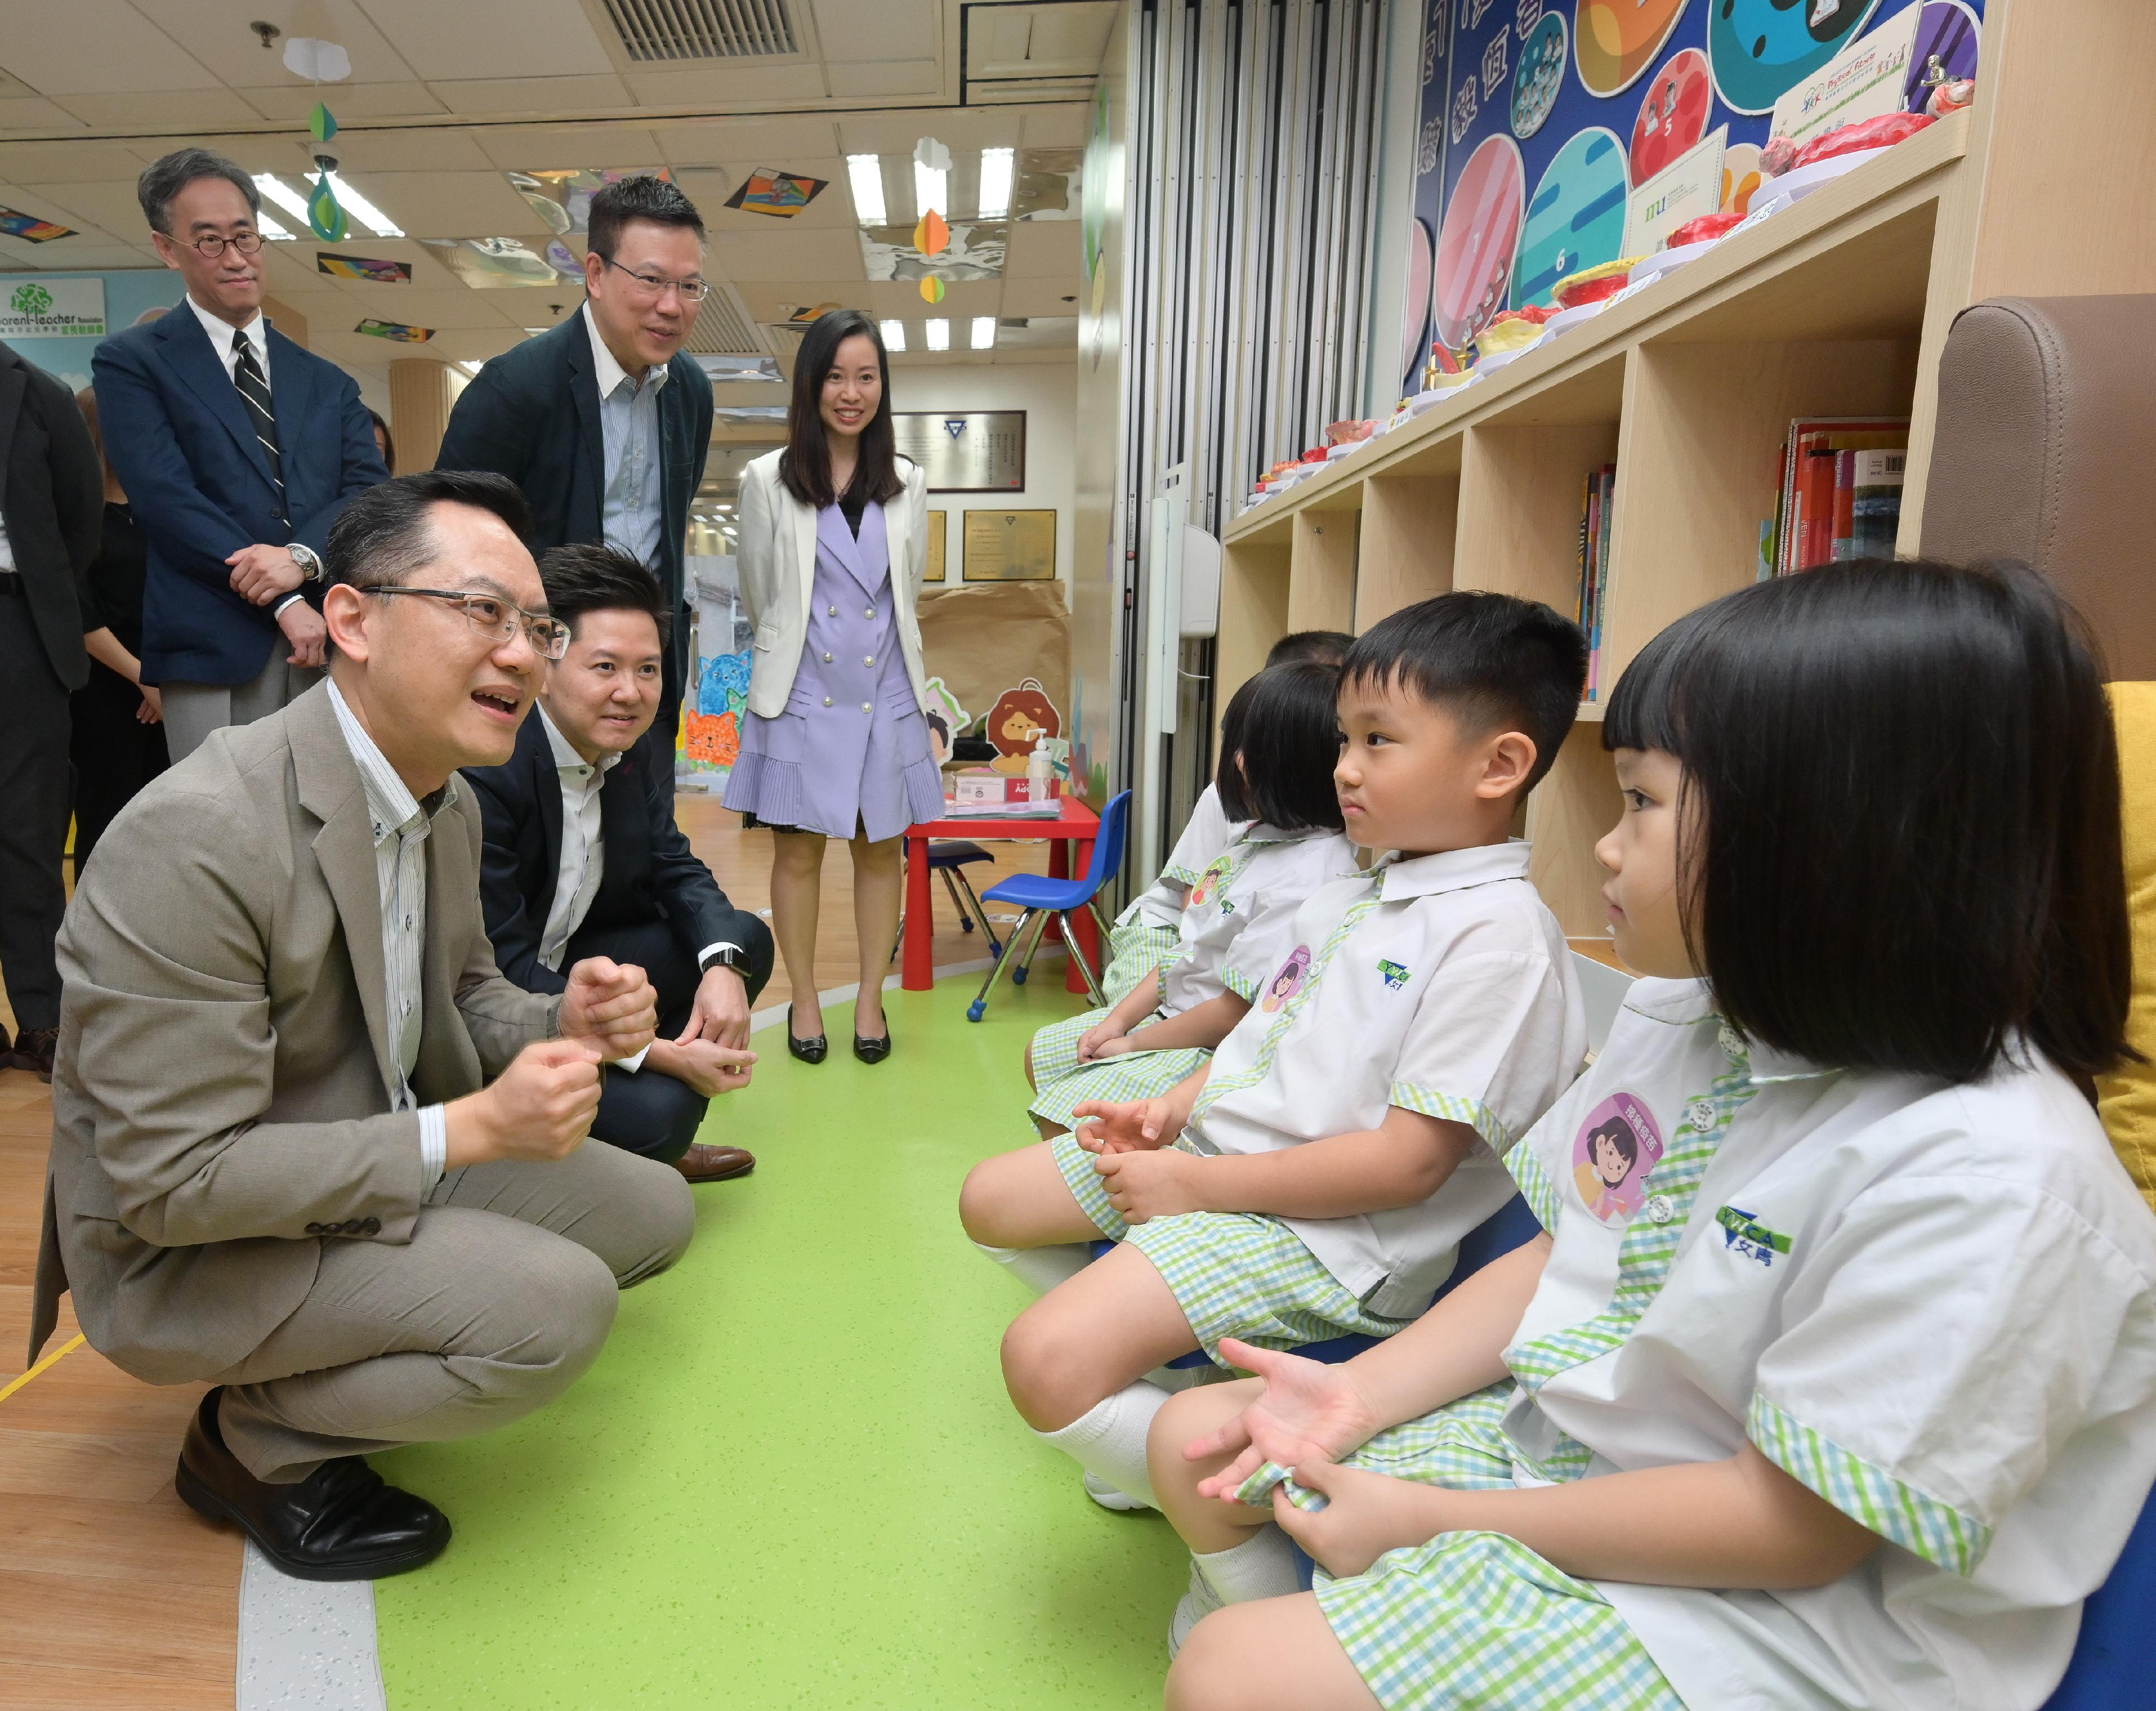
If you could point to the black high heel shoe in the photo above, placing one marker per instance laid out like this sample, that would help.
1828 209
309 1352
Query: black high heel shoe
873 1051
807 1051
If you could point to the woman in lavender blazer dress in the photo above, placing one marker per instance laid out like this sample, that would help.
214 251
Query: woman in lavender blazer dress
834 538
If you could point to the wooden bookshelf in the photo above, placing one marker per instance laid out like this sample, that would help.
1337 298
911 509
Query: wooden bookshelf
1838 304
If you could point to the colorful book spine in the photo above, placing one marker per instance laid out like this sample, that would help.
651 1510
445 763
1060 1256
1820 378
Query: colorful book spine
1875 504
1845 505
1609 530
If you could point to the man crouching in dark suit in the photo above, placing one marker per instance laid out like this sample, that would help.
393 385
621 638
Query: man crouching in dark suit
582 859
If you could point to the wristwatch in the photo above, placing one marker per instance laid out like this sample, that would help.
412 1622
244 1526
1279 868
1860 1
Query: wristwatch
309 561
728 956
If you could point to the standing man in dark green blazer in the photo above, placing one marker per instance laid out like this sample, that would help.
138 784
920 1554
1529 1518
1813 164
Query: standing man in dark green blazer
605 422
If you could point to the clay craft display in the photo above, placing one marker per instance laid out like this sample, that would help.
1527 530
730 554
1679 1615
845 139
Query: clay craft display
1512 330
1593 285
1704 230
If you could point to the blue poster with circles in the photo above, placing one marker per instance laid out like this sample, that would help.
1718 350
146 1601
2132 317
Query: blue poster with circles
1538 119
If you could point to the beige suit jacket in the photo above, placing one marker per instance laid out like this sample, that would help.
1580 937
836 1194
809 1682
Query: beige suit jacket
221 1101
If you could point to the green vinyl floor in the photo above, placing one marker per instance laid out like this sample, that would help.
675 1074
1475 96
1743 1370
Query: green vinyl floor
792 1478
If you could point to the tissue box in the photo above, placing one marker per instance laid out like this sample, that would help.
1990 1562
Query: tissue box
983 785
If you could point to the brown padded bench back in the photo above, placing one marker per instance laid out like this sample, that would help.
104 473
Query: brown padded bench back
2047 452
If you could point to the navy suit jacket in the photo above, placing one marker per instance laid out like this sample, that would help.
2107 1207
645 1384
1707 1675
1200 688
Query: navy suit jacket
184 447
651 874
533 415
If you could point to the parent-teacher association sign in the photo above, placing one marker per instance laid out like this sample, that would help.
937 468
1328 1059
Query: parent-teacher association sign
47 309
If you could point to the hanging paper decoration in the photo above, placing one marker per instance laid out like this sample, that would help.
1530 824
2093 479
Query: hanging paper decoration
323 215
321 123
932 290
317 60
933 236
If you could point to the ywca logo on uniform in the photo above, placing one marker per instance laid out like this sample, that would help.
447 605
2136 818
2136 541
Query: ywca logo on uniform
32 299
1395 975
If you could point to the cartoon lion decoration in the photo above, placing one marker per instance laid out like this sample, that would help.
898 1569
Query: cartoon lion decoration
1020 717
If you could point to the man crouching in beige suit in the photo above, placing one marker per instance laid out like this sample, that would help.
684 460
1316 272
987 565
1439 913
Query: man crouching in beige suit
279 1163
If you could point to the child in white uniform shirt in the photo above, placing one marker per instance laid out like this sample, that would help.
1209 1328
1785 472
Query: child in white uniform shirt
1278 742
1317 1177
1145 934
1842 1393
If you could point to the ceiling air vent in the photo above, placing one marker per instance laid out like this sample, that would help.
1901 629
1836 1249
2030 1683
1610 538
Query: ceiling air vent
724 326
665 32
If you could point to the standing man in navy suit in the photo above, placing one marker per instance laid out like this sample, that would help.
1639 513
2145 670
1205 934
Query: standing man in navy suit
605 422
238 450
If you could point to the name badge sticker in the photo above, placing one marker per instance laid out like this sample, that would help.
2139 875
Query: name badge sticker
1289 981
1613 1154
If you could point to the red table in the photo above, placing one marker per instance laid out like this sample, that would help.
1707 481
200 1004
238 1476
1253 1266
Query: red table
1077 825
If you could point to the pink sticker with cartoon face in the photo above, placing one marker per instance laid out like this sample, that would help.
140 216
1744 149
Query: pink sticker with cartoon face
1210 882
1613 1154
1288 982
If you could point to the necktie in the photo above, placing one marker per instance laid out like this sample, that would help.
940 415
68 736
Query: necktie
255 390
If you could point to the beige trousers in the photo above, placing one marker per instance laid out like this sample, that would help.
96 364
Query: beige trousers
503 1297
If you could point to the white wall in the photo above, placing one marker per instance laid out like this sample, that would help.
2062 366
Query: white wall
1047 393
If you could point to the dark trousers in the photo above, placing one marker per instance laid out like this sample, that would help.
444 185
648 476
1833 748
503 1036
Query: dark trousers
33 813
115 754
650 1113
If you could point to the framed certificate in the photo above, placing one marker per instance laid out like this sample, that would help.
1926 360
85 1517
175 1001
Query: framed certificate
1010 546
934 571
964 451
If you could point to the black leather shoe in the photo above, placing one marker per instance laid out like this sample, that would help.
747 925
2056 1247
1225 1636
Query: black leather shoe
872 1051
343 1521
807 1051
34 1050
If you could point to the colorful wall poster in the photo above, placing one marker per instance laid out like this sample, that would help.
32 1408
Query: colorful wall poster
1541 121
123 298
34 308
396 331
782 195
30 229
363 267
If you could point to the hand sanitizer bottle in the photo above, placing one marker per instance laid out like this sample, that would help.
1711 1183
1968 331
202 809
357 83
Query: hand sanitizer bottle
1038 771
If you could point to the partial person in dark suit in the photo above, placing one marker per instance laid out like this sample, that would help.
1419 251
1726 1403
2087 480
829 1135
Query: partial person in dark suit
49 508
238 450
582 859
605 421
119 738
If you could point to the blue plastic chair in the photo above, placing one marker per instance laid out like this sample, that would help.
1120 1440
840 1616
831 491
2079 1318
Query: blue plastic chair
2109 1668
950 857
1040 897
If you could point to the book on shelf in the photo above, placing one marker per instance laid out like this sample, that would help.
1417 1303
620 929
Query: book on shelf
1822 466
1596 515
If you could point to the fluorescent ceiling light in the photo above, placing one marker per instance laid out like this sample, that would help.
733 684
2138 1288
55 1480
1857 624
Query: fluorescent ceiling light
939 334
865 173
364 212
996 165
470 369
984 332
894 334
931 189
283 194
270 229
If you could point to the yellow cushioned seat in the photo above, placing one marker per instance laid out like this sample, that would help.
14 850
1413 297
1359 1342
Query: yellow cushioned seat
2128 1100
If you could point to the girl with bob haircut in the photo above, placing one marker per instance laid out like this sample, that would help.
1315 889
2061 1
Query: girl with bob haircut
1857 1403
834 538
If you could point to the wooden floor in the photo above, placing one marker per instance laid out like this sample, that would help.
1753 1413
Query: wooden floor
112 1592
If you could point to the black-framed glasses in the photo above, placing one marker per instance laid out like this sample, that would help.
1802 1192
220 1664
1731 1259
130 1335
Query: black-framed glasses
692 291
496 619
210 245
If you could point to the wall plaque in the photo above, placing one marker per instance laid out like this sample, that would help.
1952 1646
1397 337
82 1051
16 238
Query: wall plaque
964 451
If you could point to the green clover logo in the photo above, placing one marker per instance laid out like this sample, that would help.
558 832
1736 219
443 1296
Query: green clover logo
32 299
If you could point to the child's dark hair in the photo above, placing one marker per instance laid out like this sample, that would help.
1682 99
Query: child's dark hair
1909 851
1494 661
1282 726
1328 647
1619 1133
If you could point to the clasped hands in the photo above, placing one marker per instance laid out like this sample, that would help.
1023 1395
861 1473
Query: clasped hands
1133 1144
711 1054
1305 1419
262 573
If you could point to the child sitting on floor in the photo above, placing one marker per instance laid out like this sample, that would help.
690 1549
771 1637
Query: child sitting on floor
1314 1178
1145 935
1278 743
1846 1395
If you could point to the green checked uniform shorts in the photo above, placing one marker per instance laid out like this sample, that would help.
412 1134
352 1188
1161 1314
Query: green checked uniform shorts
1055 1046
1476 1618
1137 1074
1134 952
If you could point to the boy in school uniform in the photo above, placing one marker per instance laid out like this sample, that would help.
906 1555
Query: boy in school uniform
1314 1178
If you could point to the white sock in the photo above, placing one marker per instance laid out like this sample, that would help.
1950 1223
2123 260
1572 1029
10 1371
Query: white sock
1040 1269
1262 1566
1108 1440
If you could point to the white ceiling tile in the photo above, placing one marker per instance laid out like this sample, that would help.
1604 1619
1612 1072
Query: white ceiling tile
890 77
537 95
1042 296
773 143
781 254
960 128
273 152
182 113
868 30
95 47
430 148
754 84
111 207
66 162
530 38
294 104
26 113
1044 249
1063 124
453 307
217 33
534 147
451 204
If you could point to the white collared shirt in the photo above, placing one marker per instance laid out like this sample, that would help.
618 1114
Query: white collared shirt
1934 1306
1240 921
1441 985
632 515
224 338
1206 835
401 824
583 842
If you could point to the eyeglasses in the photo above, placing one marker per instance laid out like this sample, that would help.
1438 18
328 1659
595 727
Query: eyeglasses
495 619
211 246
692 291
